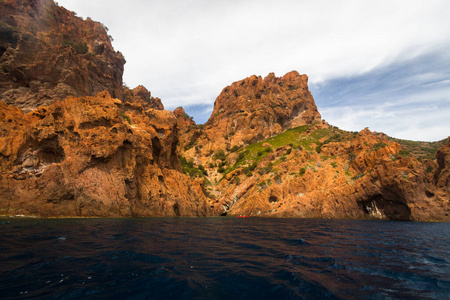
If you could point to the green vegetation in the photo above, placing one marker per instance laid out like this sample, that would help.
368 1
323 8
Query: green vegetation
295 138
302 171
404 153
234 148
267 169
220 155
125 117
80 48
203 170
360 175
278 179
189 168
421 150
319 148
379 145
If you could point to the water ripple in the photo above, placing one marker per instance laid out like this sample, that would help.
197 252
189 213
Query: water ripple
223 258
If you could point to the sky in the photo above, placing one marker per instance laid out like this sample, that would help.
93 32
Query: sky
378 64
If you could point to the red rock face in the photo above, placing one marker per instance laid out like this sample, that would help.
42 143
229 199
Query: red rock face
101 156
93 156
188 131
364 177
141 96
254 109
47 54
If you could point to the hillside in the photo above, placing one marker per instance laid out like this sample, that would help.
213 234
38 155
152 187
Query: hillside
75 142
315 172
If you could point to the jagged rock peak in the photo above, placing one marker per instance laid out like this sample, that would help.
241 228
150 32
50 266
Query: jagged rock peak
141 96
49 53
283 100
257 108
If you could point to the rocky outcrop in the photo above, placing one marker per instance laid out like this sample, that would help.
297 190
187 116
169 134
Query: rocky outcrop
94 156
341 175
115 151
141 96
188 131
254 109
47 54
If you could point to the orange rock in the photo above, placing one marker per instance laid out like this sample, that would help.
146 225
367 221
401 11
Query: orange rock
254 109
376 183
90 156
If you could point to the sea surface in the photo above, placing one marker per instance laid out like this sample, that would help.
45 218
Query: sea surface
223 258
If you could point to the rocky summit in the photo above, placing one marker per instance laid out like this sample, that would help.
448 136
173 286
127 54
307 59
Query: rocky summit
74 141
47 54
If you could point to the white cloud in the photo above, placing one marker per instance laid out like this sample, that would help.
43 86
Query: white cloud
186 52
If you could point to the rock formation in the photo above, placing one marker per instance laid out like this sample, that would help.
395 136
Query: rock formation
254 109
47 54
188 131
93 156
335 174
75 142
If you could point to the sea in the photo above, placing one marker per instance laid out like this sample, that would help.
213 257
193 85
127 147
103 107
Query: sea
223 258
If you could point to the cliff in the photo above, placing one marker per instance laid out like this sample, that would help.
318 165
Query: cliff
312 172
266 152
47 54
75 142
254 109
93 156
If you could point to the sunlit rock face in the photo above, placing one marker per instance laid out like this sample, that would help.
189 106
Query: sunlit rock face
75 142
355 176
94 156
257 108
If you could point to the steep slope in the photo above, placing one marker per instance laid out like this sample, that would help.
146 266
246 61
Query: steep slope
93 156
47 54
114 151
254 109
314 172
266 152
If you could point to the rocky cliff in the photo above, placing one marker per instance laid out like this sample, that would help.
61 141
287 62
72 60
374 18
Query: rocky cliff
315 172
47 54
94 156
75 142
266 152
252 110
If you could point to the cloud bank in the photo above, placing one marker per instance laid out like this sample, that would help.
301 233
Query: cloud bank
186 52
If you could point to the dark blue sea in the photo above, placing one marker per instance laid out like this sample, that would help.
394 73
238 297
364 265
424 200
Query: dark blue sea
223 258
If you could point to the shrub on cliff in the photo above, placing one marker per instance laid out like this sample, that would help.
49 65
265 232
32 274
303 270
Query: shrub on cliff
235 148
379 145
220 155
80 48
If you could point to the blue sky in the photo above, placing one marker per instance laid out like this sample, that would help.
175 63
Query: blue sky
408 99
378 64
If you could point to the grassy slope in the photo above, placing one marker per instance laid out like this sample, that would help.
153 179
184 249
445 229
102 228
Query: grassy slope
421 150
295 138
304 137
